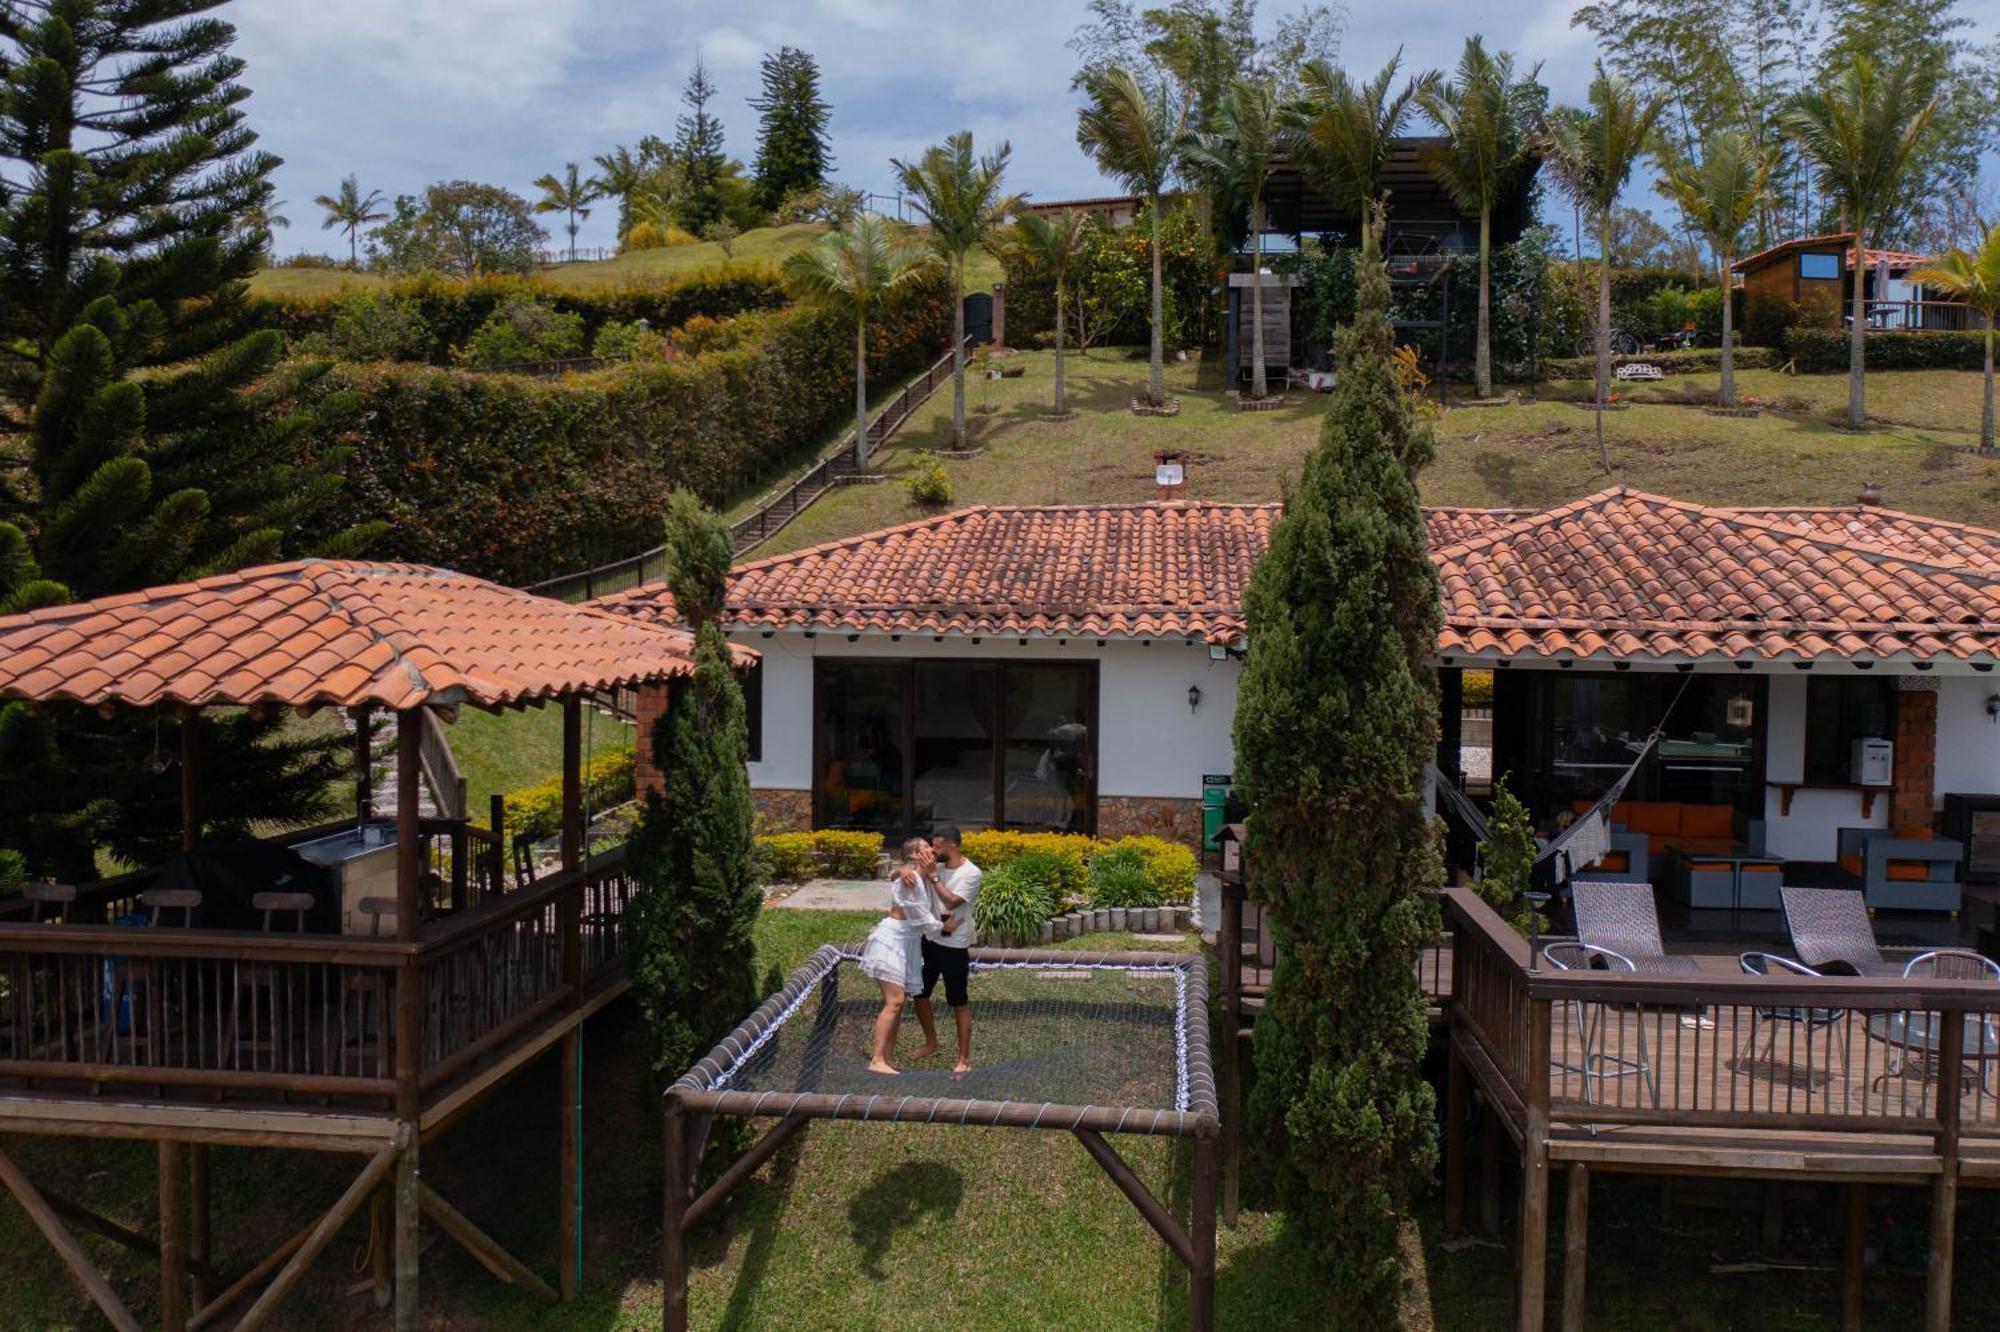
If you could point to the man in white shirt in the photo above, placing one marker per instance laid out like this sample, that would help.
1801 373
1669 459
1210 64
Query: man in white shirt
947 949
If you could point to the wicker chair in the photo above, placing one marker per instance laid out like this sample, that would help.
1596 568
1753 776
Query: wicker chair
1622 918
1952 964
1595 1065
1831 932
1813 1020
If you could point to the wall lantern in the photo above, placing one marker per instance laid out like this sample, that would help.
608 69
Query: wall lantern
1993 708
1194 697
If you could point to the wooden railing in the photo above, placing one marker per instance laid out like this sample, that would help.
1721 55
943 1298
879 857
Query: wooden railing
247 1016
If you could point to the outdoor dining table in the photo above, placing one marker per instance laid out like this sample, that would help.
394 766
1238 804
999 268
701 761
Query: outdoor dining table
1916 1034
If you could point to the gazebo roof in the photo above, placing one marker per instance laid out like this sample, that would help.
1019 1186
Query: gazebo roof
316 633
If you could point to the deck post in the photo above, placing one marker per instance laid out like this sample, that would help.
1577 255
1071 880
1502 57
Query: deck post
381 1227
1576 1239
1230 944
1532 1244
1852 1268
408 1204
1944 1190
569 1207
364 764
409 1008
173 1236
198 1222
1491 1136
1201 1235
673 1292
1455 1098
572 782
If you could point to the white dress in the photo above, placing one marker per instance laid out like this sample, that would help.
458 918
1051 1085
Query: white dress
894 951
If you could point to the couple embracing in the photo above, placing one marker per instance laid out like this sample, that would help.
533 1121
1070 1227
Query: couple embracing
925 937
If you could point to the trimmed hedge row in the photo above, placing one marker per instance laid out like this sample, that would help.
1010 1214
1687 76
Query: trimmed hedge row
1693 361
536 811
518 479
453 309
1824 350
829 853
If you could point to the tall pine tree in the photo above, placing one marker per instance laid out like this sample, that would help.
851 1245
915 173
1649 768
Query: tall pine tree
793 153
698 151
147 430
692 959
1335 715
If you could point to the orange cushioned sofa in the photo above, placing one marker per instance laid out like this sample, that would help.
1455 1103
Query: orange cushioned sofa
1903 869
1671 826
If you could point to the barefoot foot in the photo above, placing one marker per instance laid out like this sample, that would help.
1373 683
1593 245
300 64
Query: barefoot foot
929 1049
963 1067
877 1066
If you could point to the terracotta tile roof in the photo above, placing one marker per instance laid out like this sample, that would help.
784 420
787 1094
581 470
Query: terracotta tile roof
338 632
1617 575
1623 574
1845 239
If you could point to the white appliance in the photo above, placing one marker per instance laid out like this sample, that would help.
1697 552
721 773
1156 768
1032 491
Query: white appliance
1871 762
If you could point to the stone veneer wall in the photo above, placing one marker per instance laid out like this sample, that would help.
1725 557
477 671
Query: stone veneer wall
1913 798
783 811
652 705
1177 820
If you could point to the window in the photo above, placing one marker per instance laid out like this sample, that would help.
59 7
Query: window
1839 711
1819 267
753 708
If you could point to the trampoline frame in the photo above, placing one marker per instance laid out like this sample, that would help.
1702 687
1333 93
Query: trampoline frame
693 1102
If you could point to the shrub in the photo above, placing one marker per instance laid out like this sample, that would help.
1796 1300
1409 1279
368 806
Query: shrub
307 261
1767 317
516 479
1824 350
653 236
609 779
831 854
1476 689
13 870
629 340
1121 876
1015 899
929 485
994 849
1693 361
523 329
377 326
1171 868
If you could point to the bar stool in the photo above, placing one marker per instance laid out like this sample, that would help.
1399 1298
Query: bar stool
363 993
262 978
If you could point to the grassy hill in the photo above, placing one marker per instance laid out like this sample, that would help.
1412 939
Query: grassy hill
1795 452
765 245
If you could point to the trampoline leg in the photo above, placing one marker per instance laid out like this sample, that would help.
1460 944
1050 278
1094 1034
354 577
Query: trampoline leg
673 1293
1201 1236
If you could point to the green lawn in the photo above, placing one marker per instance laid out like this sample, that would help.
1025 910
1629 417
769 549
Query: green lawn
1514 455
501 752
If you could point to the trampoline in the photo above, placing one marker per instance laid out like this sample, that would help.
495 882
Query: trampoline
1083 1043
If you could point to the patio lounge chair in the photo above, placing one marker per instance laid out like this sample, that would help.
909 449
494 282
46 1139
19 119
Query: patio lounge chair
1596 1065
1813 1020
1622 917
1831 932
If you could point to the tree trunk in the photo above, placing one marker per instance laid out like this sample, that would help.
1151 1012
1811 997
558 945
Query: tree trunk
1986 409
1728 337
1482 350
354 249
1603 334
1060 399
1258 385
1156 378
860 394
958 357
1857 401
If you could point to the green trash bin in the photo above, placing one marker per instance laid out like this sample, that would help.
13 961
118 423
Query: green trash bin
1215 791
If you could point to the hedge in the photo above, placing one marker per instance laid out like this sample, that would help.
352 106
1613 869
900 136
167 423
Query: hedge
536 811
1825 350
520 479
1693 361
831 854
1066 860
453 309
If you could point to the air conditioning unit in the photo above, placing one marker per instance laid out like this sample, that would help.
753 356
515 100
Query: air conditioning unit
1871 762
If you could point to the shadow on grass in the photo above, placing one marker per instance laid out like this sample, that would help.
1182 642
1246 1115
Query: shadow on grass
896 1200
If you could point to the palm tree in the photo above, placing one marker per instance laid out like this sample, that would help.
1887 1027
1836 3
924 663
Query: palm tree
1487 115
1861 130
1132 134
352 210
1721 195
1251 127
854 270
1974 279
624 176
1597 147
957 193
568 193
1055 245
1346 129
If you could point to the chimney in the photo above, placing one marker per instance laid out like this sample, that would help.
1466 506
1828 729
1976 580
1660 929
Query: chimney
1870 494
1170 474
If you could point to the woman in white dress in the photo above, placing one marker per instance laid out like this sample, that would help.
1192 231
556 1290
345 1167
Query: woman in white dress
894 952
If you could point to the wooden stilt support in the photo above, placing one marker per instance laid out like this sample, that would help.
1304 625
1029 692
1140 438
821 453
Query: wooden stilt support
569 1096
1201 1236
1576 1239
199 1241
673 1293
1854 1261
173 1236
406 1237
1456 1091
271 1262
381 1269
78 1215
1774 1216
1491 1136
739 1170
1532 1244
481 1245
321 1235
1156 1214
1944 1189
93 1282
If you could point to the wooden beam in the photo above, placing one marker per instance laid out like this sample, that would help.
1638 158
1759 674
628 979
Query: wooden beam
1201 1237
739 1170
270 1263
78 1215
1855 1258
409 848
481 1245
1134 1188
1492 1133
1532 1242
569 1173
381 1224
674 1273
199 1243
1457 1095
173 1236
93 1282
1944 1190
364 763
1576 1239
407 1252
321 1235
572 781
190 780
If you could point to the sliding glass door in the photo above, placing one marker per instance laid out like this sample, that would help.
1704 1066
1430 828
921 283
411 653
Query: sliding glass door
907 745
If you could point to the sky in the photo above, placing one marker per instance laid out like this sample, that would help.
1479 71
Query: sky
406 92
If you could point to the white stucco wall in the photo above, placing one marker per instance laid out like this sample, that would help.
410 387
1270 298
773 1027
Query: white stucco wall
1968 741
1149 742
1810 832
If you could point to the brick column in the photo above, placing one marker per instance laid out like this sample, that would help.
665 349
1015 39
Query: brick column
999 316
652 706
1913 796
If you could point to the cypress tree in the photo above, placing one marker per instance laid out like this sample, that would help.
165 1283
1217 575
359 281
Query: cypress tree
793 153
1336 712
692 961
158 432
